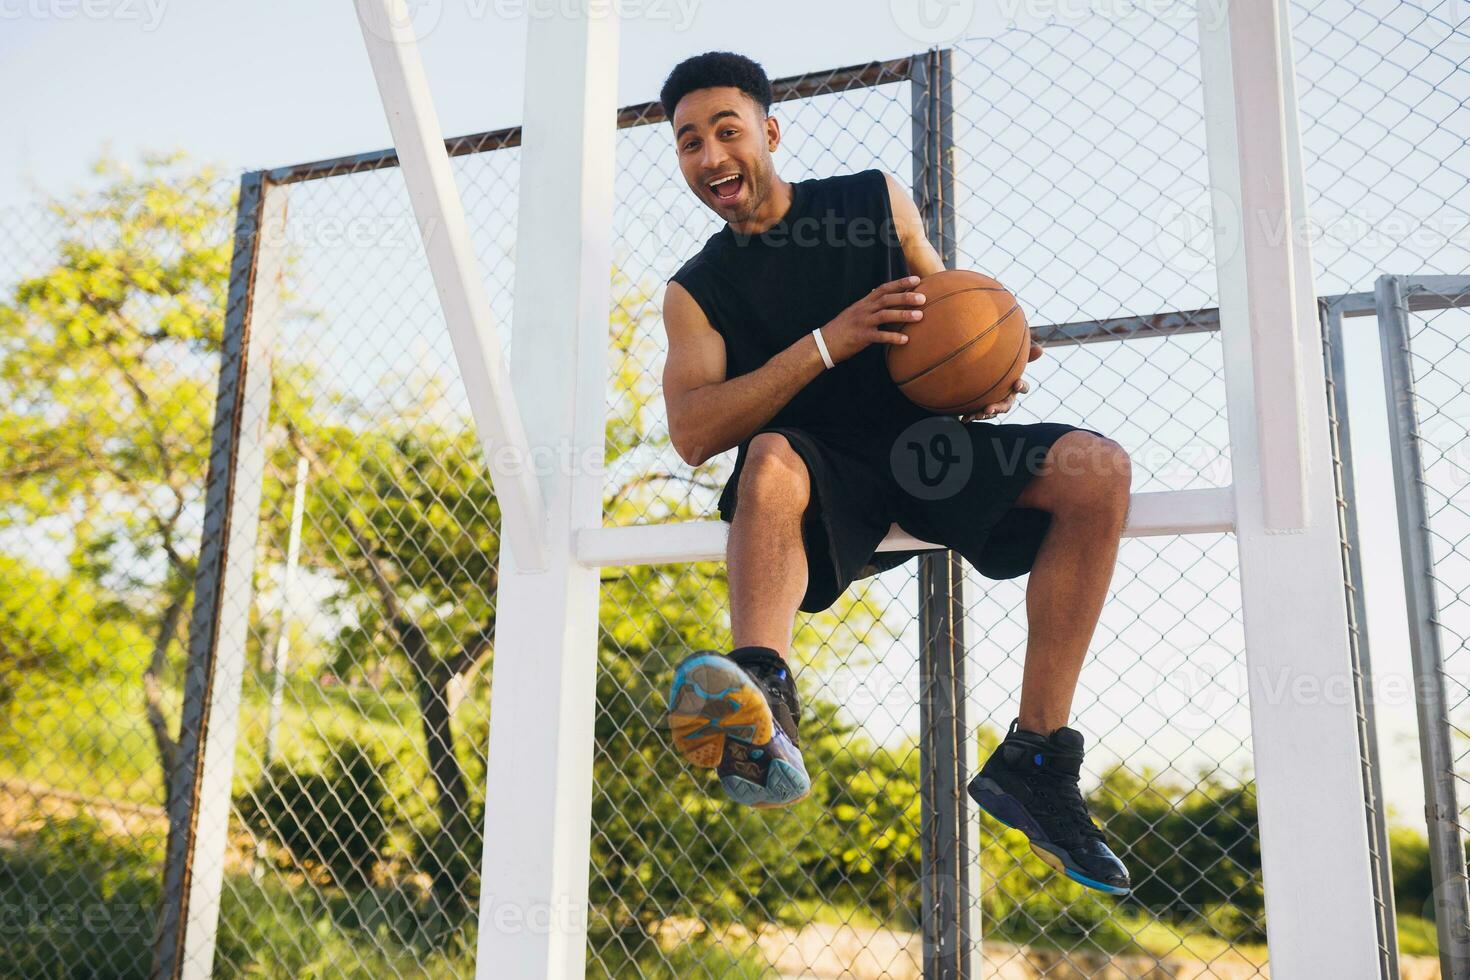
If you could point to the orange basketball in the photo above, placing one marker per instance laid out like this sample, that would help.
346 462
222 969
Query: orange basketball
969 348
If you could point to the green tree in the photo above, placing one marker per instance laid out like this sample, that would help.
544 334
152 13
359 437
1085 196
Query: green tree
61 627
107 366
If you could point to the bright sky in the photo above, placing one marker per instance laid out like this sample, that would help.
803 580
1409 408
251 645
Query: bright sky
273 82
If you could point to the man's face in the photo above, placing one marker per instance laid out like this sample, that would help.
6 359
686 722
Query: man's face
724 146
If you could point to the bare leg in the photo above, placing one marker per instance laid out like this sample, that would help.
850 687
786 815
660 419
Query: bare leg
765 561
1084 486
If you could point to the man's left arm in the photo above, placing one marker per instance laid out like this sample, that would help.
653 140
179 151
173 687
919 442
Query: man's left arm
924 260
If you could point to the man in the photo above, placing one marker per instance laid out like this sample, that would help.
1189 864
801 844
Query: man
777 331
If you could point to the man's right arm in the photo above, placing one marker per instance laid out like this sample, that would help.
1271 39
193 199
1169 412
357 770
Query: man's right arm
708 414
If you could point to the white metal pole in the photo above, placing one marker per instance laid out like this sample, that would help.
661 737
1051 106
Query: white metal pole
1276 291
288 587
282 650
393 51
538 803
1314 844
199 799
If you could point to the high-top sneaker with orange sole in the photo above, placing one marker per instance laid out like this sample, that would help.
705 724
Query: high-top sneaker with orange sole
738 714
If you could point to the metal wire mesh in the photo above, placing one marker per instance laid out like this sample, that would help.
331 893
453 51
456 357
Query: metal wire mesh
1165 695
360 770
111 303
1440 348
1422 320
380 642
350 818
1382 88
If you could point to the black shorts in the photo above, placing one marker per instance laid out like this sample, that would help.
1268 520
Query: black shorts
948 482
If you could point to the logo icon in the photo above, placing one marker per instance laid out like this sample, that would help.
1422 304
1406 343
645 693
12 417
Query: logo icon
1195 229
932 21
1459 22
933 458
1197 687
385 18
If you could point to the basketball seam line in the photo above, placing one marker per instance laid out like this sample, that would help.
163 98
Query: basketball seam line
963 347
969 289
970 405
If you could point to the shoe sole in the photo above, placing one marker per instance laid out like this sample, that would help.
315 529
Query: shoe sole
1006 810
712 700
785 785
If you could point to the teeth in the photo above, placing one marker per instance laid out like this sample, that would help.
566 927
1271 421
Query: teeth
723 180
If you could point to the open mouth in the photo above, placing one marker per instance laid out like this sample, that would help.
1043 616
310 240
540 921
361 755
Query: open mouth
727 189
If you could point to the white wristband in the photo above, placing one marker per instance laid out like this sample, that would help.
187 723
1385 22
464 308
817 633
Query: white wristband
822 348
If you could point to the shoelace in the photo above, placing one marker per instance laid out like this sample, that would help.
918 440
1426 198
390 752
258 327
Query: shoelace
1062 797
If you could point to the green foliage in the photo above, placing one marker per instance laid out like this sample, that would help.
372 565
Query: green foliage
89 737
107 365
419 498
73 894
107 362
336 819
62 627
1417 936
1191 849
1413 882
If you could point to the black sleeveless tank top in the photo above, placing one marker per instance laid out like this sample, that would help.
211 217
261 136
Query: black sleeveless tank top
765 292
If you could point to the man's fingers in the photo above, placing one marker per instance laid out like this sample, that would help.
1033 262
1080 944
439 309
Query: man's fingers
898 315
900 299
897 285
1000 408
889 337
1035 352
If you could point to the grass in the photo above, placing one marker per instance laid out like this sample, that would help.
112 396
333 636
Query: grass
93 738
79 903
1156 937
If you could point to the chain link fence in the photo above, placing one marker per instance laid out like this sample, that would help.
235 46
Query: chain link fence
1436 351
1382 88
358 796
111 310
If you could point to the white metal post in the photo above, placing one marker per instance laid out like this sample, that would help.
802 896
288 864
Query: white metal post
1314 844
282 649
393 51
199 796
288 598
538 804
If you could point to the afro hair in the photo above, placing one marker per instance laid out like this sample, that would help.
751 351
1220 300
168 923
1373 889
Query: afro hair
715 69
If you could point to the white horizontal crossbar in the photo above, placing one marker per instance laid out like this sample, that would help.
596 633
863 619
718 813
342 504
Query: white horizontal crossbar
1152 515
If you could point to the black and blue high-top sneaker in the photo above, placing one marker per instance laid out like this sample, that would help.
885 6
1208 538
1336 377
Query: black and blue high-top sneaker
1030 783
738 714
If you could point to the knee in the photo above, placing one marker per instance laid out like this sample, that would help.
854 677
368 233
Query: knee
773 474
1093 474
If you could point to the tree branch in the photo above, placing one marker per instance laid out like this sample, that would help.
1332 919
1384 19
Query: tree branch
620 494
168 747
364 546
